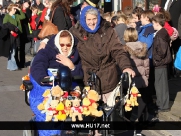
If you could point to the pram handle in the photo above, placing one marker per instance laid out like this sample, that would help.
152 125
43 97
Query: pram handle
48 80
124 76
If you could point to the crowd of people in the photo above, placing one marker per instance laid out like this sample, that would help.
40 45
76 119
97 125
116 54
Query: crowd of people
139 42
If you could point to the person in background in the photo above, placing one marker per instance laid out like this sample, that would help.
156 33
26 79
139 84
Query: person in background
5 43
45 15
39 4
173 33
34 15
61 17
146 35
6 3
173 7
146 32
161 58
13 18
76 11
119 12
121 27
107 16
114 21
128 11
2 14
130 22
137 11
157 9
25 31
140 63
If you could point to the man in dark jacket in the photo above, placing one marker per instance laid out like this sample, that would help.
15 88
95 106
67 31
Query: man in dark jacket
161 58
76 11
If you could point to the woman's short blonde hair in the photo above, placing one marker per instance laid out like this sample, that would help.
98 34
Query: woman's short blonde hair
130 35
10 7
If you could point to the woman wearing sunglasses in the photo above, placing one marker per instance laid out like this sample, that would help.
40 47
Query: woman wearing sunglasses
60 50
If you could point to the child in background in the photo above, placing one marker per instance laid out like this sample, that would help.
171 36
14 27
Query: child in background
130 22
107 16
145 35
140 64
161 59
121 27
121 19
34 15
128 11
173 33
113 13
114 21
137 16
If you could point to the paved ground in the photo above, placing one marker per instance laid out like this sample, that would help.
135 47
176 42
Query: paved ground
13 107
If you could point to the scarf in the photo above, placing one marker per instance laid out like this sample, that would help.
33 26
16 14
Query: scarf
83 20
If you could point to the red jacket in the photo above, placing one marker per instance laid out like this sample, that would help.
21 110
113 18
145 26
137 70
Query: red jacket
43 14
33 22
168 28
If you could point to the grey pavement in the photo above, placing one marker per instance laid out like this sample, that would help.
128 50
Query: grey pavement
13 107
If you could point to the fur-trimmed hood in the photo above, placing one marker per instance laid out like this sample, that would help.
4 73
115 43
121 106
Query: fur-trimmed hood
57 44
137 49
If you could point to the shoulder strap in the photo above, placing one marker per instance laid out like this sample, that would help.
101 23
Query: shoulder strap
52 14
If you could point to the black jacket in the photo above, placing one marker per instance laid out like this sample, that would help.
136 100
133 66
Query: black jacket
60 19
161 49
5 40
1 19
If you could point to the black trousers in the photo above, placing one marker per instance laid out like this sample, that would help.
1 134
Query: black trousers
143 102
22 50
161 87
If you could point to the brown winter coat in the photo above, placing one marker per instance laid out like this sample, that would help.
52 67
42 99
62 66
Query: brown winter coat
100 52
140 62
161 49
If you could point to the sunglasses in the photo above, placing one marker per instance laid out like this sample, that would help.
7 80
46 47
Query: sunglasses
68 45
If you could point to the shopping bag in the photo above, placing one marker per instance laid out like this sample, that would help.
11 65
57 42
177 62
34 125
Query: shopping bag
48 28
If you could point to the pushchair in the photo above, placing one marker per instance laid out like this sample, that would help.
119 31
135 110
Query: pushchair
33 96
111 112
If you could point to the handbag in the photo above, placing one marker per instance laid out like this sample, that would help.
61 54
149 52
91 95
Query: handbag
48 28
177 63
